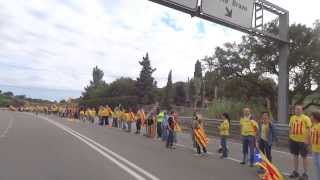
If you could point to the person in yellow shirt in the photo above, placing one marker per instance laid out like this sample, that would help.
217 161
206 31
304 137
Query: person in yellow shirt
131 119
139 118
315 141
101 115
249 129
82 115
107 113
224 134
122 118
92 115
267 135
126 118
115 117
299 127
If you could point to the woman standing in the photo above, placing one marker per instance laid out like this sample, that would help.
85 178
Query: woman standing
224 133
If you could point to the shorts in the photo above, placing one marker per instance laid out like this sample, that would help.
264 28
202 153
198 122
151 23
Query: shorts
298 148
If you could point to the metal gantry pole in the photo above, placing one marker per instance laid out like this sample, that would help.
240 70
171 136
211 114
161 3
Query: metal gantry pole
283 80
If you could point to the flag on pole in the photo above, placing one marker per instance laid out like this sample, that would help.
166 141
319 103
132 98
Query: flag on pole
270 171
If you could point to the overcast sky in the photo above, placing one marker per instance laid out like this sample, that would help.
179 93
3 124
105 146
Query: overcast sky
54 44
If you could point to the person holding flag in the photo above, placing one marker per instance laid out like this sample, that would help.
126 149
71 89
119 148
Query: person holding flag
315 141
200 137
270 171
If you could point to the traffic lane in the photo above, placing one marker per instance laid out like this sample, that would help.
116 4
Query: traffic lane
35 149
152 155
282 159
6 122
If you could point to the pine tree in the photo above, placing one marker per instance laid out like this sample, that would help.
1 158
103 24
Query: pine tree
197 79
168 93
145 82
97 82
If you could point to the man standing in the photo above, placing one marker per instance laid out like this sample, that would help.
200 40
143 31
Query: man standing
249 129
160 117
171 124
299 127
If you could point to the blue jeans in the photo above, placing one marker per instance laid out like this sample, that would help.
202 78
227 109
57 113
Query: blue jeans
159 129
170 139
316 159
223 144
248 143
164 133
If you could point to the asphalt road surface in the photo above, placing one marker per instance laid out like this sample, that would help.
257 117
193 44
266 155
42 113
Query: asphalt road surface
39 147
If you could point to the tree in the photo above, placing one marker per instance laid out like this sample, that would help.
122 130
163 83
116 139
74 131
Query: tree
121 87
21 97
197 82
97 85
197 70
180 94
168 93
304 59
192 92
97 75
252 66
145 82
9 94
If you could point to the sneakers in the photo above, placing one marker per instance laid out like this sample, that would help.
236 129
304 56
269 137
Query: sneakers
294 174
243 163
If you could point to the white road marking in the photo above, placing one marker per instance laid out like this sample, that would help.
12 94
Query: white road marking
180 145
10 124
99 148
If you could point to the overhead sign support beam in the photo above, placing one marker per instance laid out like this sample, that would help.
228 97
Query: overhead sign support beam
238 14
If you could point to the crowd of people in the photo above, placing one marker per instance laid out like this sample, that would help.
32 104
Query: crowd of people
257 132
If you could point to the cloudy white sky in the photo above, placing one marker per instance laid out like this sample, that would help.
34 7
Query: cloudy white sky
54 44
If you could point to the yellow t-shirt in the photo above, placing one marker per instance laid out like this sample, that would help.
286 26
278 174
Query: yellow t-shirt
248 127
92 113
82 113
299 127
265 131
315 138
127 117
224 128
87 113
104 112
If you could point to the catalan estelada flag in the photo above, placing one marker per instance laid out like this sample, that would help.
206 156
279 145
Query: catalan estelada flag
201 137
270 171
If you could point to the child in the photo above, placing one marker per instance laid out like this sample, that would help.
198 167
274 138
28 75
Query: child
224 133
315 141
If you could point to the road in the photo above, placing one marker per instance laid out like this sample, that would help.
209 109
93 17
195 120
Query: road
49 148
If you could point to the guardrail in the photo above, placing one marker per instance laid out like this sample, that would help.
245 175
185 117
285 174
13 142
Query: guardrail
3 108
211 128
